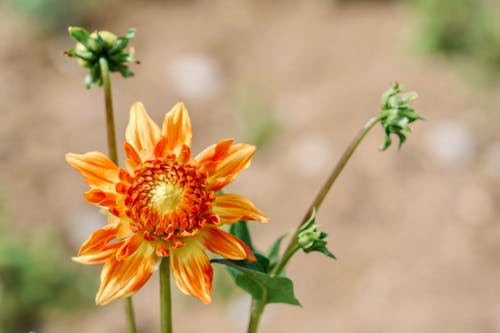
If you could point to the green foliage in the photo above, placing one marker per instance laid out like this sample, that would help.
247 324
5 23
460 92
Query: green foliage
261 286
259 125
397 114
468 28
91 47
256 278
36 276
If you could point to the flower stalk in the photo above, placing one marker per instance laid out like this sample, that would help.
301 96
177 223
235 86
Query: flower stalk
320 197
165 296
113 154
108 101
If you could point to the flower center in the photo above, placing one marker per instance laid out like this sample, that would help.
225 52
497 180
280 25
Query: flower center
168 200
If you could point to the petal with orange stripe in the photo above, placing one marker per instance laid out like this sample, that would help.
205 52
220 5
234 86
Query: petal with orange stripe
142 132
222 243
222 163
97 169
192 271
122 278
177 128
234 207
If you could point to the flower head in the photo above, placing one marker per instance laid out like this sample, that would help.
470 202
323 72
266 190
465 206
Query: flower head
91 47
164 204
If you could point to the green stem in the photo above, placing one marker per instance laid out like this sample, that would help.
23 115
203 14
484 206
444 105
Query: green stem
257 306
280 266
113 154
320 197
256 310
129 310
165 296
108 101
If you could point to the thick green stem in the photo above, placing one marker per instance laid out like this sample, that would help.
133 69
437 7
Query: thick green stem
256 310
108 101
165 296
113 154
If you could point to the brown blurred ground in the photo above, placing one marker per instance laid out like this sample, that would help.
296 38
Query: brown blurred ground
416 232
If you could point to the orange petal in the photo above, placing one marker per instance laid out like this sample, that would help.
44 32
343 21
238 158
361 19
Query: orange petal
177 128
97 169
99 239
222 163
142 132
129 246
234 207
123 221
121 279
192 271
99 257
133 158
225 244
100 198
208 158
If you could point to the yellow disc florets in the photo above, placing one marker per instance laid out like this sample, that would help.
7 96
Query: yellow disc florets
167 200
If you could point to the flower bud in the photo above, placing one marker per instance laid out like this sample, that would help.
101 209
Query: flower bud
91 47
397 114
311 239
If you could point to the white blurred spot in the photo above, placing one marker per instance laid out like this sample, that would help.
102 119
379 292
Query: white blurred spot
195 76
451 143
311 154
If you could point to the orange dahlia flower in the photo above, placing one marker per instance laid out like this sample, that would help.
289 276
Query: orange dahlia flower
164 204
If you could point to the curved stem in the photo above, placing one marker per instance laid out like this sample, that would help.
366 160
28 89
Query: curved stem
320 197
258 307
113 154
165 296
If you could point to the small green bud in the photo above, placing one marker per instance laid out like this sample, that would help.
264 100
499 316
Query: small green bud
397 114
311 239
91 47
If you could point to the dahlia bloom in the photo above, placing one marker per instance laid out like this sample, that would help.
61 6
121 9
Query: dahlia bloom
165 203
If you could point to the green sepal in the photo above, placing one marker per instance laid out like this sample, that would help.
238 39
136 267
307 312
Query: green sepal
311 239
91 47
397 114
119 45
261 286
81 35
130 33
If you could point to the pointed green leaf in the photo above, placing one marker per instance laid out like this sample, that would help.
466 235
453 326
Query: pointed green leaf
274 251
261 286
240 230
79 34
130 33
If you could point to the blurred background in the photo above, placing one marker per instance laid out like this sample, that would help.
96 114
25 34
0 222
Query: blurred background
416 231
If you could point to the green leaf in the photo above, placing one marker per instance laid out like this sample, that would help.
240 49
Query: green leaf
240 230
261 286
79 34
274 251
